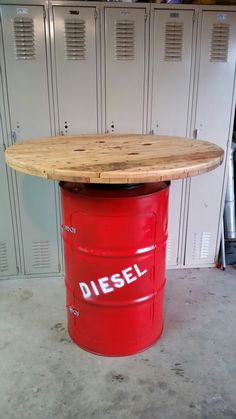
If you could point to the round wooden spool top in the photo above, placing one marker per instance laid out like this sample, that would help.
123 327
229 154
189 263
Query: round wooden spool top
130 158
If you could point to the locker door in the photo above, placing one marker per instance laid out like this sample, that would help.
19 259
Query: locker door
7 244
75 53
172 54
125 56
8 264
212 122
25 57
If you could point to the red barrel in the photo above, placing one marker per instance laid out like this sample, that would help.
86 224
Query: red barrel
114 247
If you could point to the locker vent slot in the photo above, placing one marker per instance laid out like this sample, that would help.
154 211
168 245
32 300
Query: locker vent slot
173 41
75 39
125 40
219 42
41 254
201 245
24 37
168 249
3 257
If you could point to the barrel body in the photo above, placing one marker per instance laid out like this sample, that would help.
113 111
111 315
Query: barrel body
114 247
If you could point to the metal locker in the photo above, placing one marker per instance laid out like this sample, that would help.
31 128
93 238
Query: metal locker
172 58
8 256
125 37
8 264
27 84
76 72
212 121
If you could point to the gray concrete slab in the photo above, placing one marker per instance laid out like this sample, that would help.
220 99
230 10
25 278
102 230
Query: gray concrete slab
189 373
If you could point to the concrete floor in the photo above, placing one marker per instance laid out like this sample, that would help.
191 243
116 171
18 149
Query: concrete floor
189 373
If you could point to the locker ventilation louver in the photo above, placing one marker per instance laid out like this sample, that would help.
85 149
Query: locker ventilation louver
219 42
125 40
23 29
3 257
173 41
41 254
75 39
201 245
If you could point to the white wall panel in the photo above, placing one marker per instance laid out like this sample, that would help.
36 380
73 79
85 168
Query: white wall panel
172 59
27 83
212 122
125 69
75 57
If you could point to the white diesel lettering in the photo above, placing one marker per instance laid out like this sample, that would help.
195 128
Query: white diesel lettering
136 268
128 276
94 287
118 280
104 286
85 289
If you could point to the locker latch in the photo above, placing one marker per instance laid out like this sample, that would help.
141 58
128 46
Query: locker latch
196 133
13 136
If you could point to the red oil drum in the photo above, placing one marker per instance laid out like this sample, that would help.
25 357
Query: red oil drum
114 246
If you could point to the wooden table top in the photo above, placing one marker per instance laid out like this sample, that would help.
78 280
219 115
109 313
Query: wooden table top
114 158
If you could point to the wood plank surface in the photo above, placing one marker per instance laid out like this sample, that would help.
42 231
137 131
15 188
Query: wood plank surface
130 158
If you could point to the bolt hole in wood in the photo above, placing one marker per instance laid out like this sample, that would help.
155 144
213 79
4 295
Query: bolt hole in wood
147 144
80 149
133 154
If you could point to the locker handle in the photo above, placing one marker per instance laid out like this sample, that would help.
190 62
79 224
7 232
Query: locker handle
13 136
196 133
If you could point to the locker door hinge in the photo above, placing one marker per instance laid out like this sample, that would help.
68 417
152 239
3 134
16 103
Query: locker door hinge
4 147
44 14
194 16
17 270
59 267
145 16
95 14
